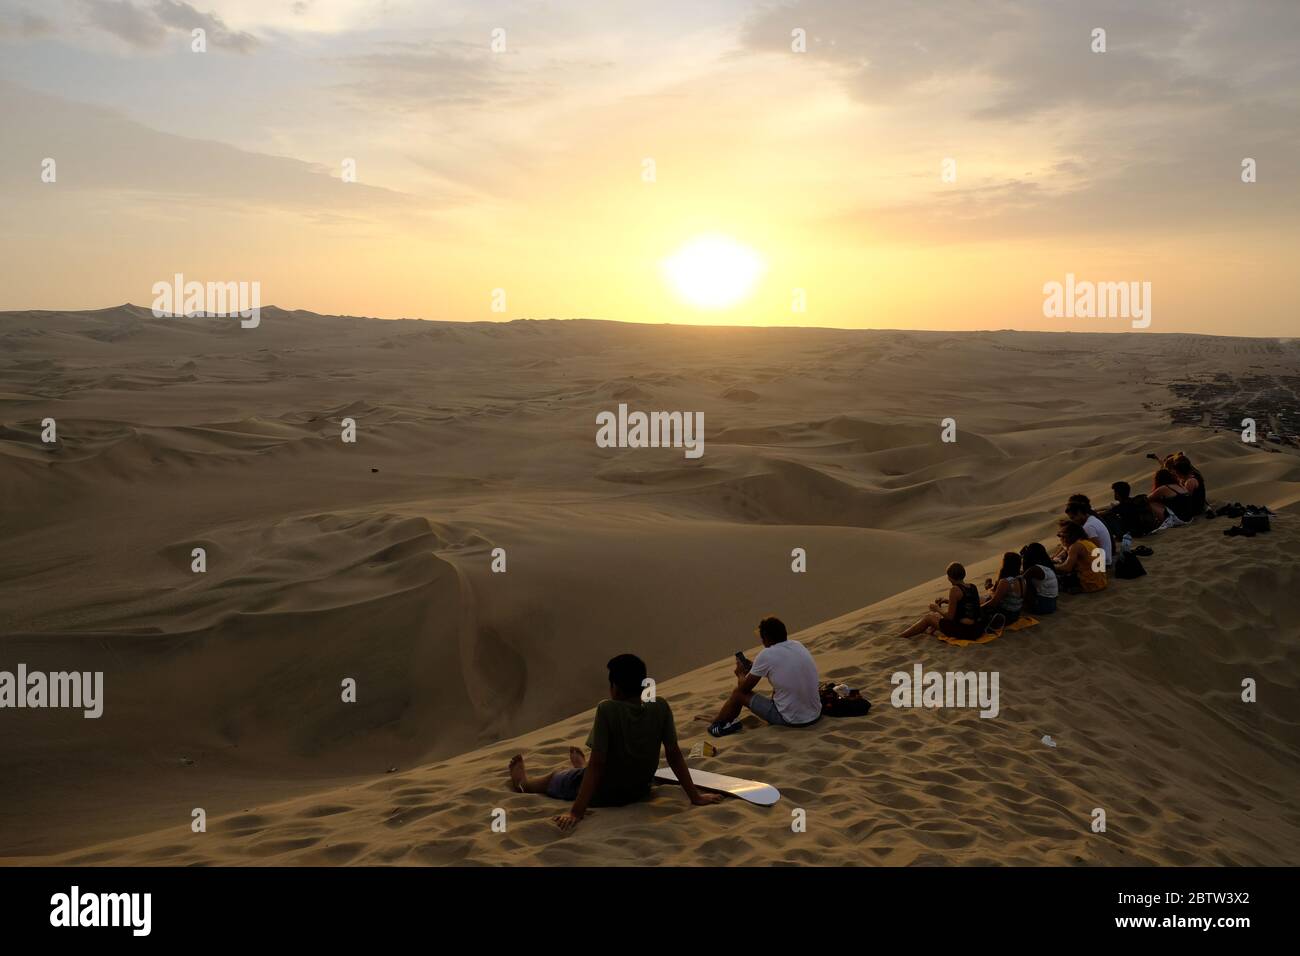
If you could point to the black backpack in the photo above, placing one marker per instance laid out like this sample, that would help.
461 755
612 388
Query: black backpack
1255 520
833 705
1127 565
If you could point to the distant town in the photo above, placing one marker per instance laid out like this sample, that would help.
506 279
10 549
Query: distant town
1272 400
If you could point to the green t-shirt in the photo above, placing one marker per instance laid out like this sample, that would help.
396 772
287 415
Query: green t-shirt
629 733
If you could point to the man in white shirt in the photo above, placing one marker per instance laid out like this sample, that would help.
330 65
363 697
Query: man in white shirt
796 698
1080 513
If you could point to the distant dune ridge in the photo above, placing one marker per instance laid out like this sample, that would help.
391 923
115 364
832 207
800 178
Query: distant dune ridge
328 560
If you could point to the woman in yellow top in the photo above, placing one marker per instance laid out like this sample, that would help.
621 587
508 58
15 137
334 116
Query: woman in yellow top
1076 569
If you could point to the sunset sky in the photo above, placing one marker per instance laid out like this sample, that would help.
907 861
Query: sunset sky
525 169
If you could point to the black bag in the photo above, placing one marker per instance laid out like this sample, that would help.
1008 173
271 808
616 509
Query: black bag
833 705
1255 521
1127 565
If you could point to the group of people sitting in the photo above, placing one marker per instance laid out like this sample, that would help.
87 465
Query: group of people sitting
1177 496
630 728
1089 543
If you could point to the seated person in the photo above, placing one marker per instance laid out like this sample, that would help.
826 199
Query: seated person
1128 514
1007 595
1168 497
1193 481
1081 499
796 700
625 739
1040 577
1111 515
958 615
1079 511
1077 572
1058 554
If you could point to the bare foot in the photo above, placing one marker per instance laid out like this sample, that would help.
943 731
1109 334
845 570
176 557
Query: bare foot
518 776
577 758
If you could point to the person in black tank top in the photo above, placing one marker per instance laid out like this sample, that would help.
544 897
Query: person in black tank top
1194 482
1168 495
968 608
957 615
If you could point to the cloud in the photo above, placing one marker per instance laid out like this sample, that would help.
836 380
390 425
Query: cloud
1024 57
1147 135
125 21
182 16
147 26
406 75
98 149
27 25
413 75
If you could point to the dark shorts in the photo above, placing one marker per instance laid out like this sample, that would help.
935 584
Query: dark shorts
963 632
565 783
1044 605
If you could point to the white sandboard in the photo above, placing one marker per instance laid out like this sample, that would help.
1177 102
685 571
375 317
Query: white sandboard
751 790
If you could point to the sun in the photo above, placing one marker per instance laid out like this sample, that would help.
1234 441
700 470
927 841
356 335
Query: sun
713 272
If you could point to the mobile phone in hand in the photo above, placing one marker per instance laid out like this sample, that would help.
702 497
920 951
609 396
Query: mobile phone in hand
743 661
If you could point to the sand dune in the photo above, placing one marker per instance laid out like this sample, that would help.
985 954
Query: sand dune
1139 694
371 560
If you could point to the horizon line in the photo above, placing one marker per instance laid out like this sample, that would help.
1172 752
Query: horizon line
661 324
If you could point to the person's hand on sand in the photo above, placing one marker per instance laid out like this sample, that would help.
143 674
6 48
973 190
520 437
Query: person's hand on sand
566 821
706 799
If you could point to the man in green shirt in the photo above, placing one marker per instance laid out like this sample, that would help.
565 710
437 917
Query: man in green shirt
624 741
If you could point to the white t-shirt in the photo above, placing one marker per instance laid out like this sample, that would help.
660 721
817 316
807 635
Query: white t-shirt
793 674
1094 528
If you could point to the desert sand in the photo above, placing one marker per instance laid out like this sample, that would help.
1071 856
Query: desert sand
328 560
